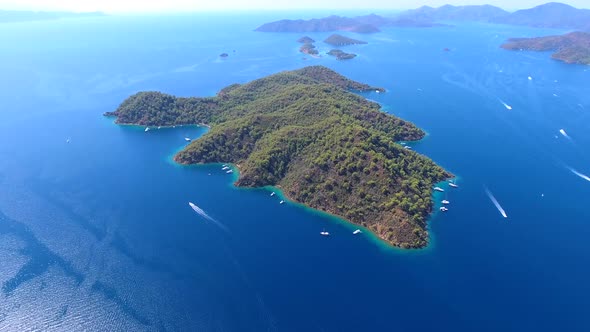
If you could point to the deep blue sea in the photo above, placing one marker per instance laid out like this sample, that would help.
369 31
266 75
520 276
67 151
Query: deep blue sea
97 235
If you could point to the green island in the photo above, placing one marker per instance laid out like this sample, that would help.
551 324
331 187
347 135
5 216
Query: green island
307 133
341 55
309 48
340 40
573 47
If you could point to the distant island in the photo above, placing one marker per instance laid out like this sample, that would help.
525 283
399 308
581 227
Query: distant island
308 48
549 15
573 47
304 132
305 40
341 55
7 16
340 40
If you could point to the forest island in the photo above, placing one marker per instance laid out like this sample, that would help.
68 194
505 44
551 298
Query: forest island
306 132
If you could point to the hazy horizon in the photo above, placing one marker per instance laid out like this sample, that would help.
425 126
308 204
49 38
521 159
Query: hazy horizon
135 6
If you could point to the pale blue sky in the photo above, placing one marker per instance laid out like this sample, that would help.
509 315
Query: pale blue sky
206 5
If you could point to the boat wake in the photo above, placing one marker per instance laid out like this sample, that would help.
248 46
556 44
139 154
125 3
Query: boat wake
204 214
508 107
495 201
583 176
562 132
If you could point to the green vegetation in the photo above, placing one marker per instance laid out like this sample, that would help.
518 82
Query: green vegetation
341 55
325 147
340 40
573 47
308 48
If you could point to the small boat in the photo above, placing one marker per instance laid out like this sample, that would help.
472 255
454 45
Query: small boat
223 165
444 201
377 91
453 185
439 189
444 209
272 193
324 233
530 78
229 171
159 127
147 129
187 139
408 147
358 231
68 140
281 202
224 168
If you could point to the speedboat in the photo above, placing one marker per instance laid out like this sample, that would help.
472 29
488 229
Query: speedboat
451 184
224 168
439 189
272 193
229 171
187 139
281 202
324 233
444 201
408 147
358 231
147 129
444 209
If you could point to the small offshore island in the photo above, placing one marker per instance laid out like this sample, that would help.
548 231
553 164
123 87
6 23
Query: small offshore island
340 40
305 132
573 47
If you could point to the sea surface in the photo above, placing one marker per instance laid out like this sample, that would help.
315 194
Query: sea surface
97 234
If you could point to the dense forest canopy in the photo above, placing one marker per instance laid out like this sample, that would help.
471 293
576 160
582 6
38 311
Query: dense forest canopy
305 132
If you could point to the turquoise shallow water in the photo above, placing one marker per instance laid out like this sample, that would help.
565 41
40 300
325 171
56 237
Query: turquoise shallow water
97 234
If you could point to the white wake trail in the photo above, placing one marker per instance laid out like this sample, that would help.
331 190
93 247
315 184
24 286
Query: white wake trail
583 176
204 214
495 201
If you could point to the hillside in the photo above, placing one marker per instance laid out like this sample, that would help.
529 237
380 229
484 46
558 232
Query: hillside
324 146
570 48
549 15
453 13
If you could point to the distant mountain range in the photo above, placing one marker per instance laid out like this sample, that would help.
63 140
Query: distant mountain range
550 15
25 16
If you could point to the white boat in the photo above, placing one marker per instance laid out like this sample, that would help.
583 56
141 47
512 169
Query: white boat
272 193
187 139
324 233
444 201
439 189
281 202
223 165
530 78
68 140
159 127
451 184
229 171
224 168
408 147
147 129
444 209
377 91
358 231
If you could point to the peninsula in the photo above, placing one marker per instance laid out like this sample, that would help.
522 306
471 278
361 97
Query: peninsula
573 47
340 40
305 132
